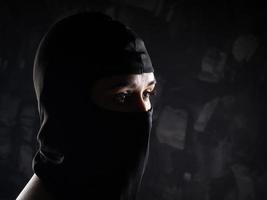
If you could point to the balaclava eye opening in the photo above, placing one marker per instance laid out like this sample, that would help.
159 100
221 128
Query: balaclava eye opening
85 149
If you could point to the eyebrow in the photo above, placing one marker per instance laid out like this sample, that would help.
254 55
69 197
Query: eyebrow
152 83
128 84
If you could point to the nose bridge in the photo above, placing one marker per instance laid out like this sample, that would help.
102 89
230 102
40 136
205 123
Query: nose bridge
142 105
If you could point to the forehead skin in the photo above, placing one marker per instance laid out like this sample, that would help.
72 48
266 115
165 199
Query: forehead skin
133 81
103 89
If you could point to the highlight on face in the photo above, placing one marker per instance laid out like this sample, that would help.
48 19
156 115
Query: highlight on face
125 93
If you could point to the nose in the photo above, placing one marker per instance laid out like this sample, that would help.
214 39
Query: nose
142 105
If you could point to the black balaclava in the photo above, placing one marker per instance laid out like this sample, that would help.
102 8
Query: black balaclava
88 152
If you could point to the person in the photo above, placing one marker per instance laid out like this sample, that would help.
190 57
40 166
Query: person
93 79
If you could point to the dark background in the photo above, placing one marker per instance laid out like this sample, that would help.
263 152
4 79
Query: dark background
209 136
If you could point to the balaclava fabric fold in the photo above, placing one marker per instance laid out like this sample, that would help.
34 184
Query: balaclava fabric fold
88 152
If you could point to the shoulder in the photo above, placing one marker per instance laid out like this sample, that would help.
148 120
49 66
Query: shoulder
34 190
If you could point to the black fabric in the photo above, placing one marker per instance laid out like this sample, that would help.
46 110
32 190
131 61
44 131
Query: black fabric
92 43
85 150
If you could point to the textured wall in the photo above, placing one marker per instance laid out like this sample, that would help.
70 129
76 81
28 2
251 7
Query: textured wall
209 136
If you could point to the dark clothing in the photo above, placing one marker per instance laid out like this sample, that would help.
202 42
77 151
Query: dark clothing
86 150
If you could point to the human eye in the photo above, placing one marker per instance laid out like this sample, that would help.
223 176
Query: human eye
121 97
148 93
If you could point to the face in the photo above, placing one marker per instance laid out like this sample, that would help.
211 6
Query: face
125 93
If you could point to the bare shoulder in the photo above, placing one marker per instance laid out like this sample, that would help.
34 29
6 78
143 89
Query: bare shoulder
34 190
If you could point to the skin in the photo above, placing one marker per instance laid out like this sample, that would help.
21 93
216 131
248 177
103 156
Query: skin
127 93
34 190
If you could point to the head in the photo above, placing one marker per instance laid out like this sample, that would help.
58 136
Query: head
91 50
93 79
